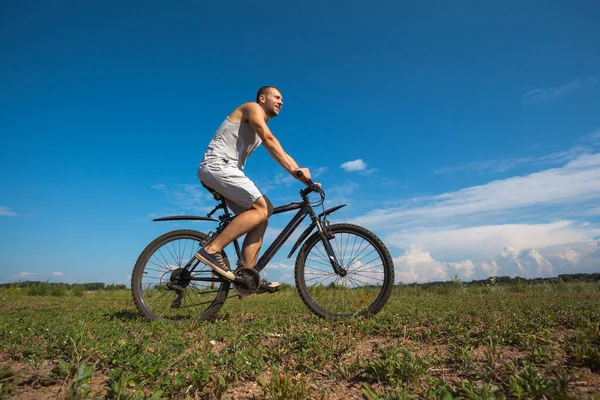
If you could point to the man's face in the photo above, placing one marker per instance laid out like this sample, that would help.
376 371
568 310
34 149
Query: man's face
273 103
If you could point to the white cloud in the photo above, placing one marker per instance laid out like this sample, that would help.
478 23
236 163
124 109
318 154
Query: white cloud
582 256
281 266
591 211
7 212
279 272
503 165
594 135
531 225
283 178
591 142
542 94
465 268
319 171
26 274
569 255
417 264
489 267
527 263
356 165
186 198
487 241
341 194
576 182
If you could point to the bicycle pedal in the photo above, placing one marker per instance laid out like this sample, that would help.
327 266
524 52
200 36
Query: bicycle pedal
266 288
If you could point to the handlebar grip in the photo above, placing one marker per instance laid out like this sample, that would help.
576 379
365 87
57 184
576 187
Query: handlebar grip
300 174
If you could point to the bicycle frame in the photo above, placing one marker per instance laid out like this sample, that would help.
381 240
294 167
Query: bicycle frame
304 208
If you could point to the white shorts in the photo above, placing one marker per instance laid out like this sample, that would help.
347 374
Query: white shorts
230 182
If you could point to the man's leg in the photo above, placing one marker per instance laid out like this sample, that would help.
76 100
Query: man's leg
255 218
253 243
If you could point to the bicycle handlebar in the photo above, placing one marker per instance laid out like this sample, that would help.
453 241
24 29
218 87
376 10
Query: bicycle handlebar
312 187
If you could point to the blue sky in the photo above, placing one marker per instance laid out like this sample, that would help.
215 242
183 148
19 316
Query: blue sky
476 125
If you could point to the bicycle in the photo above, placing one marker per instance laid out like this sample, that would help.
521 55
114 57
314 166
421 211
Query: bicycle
332 279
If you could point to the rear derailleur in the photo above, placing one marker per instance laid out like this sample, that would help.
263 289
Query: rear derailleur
179 280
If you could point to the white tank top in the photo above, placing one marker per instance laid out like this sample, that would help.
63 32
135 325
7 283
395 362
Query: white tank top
233 142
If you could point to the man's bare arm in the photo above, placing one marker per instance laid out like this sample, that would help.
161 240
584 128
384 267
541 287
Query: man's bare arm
294 163
256 117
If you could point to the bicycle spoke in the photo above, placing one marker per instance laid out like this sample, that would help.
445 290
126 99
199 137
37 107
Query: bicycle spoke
153 277
159 265
320 270
327 264
356 280
359 247
361 258
322 280
337 245
171 253
367 263
325 257
318 277
167 265
184 247
159 271
352 251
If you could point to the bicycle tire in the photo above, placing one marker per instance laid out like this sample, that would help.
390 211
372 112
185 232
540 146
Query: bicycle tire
308 293
141 300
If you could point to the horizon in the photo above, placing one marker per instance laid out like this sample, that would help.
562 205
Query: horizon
292 284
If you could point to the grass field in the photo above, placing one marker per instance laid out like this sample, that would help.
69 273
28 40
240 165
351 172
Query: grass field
516 341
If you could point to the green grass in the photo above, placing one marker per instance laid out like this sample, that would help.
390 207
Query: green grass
453 341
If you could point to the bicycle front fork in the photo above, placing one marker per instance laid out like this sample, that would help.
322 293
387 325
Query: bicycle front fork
325 238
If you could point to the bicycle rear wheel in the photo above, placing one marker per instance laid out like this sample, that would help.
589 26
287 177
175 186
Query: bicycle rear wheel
162 289
366 287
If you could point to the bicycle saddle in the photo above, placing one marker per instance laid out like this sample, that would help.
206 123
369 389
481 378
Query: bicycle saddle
216 195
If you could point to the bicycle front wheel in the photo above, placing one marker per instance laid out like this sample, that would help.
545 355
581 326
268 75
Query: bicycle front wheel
366 287
163 289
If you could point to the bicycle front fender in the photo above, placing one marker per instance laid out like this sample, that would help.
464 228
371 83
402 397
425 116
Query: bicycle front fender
310 228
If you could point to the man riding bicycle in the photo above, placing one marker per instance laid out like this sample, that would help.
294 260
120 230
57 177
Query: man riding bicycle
221 170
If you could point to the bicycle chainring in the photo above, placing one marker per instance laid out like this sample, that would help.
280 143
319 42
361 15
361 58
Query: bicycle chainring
251 281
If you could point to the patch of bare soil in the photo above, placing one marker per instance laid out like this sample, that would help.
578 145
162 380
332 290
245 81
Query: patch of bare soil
337 390
365 349
37 381
245 390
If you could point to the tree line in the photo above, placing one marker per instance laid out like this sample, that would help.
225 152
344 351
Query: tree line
67 286
507 280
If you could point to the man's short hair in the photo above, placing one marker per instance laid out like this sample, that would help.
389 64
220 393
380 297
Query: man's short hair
263 90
